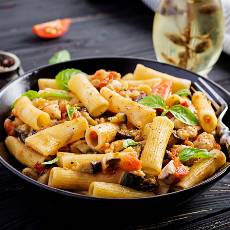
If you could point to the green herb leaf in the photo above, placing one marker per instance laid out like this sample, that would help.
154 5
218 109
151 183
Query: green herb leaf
153 101
70 111
192 153
184 115
31 94
129 142
183 92
53 161
58 95
63 77
60 56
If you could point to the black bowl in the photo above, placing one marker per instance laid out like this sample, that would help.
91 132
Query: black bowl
89 65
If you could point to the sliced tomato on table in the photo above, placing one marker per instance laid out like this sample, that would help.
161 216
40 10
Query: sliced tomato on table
52 29
164 89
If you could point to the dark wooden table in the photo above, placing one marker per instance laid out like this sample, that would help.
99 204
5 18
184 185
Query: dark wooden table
105 28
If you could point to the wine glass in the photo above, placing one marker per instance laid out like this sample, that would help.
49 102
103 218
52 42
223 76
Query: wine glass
189 33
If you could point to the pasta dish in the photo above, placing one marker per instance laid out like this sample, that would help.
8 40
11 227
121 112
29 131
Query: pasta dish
107 135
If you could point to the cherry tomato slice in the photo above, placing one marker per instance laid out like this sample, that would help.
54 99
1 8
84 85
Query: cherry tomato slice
52 29
164 89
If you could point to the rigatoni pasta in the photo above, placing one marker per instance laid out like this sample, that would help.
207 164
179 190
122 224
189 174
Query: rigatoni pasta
49 140
143 73
137 114
73 180
44 83
158 136
30 115
116 138
22 153
111 190
88 95
97 136
205 112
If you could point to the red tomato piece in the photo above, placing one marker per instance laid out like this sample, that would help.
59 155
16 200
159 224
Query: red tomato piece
9 127
130 163
185 104
52 29
164 89
39 168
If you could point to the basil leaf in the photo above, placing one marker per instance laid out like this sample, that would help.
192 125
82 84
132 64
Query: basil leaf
58 95
63 77
53 161
183 92
192 153
184 115
31 94
153 101
60 56
129 142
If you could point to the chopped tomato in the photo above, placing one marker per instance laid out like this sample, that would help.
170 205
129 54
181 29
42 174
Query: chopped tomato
181 170
52 29
164 89
93 135
130 162
39 168
62 107
101 78
9 127
185 103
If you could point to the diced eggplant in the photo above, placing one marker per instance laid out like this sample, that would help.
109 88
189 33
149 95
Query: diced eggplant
139 182
123 134
96 166
22 135
112 164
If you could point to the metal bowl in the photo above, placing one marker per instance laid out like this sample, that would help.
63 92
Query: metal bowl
89 65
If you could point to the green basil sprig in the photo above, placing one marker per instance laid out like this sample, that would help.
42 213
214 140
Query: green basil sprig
32 94
193 153
63 77
53 161
183 114
60 56
129 142
180 112
154 101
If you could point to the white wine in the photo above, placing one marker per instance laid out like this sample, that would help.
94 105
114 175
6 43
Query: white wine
189 33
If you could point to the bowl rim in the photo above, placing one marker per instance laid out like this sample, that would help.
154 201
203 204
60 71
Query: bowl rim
218 175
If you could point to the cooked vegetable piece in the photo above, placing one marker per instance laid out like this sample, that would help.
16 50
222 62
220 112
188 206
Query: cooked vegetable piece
52 29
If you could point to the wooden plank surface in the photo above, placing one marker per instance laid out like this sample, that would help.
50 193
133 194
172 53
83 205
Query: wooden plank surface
105 28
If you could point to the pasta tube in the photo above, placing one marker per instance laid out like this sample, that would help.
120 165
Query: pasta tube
29 114
96 136
205 112
44 83
72 161
152 156
22 153
142 73
135 83
48 141
110 190
88 95
73 180
128 76
138 115
202 170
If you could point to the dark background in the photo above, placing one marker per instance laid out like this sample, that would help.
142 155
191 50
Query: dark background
104 28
